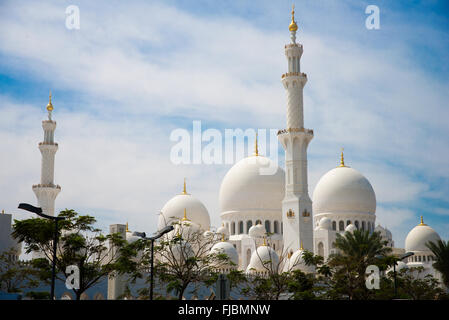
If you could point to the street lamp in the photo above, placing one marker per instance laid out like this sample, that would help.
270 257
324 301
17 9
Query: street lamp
38 211
402 257
159 234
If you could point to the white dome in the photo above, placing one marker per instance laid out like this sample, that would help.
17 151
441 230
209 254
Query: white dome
325 223
344 190
257 231
228 249
223 230
261 259
350 228
208 234
250 184
173 211
418 237
296 262
130 237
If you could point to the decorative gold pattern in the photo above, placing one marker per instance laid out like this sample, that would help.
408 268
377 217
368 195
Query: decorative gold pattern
290 213
306 213
293 26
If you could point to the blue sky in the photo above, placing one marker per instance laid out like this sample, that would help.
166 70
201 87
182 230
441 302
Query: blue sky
136 70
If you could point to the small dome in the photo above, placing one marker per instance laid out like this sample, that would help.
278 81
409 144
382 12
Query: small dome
228 249
261 259
257 231
419 236
296 262
325 223
344 190
173 211
131 237
208 234
223 230
350 228
254 182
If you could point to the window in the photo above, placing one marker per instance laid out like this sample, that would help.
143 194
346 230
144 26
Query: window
363 225
369 226
276 227
334 225
357 225
348 222
240 227
249 224
419 258
282 228
233 228
341 226
258 222
321 249
268 226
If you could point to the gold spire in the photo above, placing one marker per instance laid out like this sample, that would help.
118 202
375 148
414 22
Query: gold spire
342 158
49 105
300 246
127 230
264 241
185 215
293 26
222 237
256 148
422 222
184 191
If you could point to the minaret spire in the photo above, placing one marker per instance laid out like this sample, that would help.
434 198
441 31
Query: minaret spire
46 191
298 228
342 158
256 148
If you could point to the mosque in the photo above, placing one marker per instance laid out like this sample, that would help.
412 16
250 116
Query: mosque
271 216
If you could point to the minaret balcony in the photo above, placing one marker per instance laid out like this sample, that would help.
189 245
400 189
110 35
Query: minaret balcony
48 144
52 186
294 74
295 130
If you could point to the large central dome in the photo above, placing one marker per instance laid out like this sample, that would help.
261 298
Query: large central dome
253 183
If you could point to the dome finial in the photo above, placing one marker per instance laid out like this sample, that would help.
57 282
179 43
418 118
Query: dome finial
422 222
184 190
127 230
49 106
342 158
300 246
222 237
185 215
264 241
256 147
293 27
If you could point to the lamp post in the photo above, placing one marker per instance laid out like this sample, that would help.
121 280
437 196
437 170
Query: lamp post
38 211
159 234
402 257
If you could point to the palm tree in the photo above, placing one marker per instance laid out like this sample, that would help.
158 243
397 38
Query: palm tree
357 250
441 251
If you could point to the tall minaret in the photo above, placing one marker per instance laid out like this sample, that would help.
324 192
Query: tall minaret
296 206
47 191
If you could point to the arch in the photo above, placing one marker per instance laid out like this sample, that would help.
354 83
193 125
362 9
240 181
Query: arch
334 225
363 225
249 224
240 227
356 223
369 226
233 228
341 226
268 226
348 222
258 222
282 227
276 226
321 249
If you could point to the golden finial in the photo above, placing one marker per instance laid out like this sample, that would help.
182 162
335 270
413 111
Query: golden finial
185 215
422 222
293 26
256 148
3 211
184 190
49 105
127 230
222 237
300 246
264 241
342 158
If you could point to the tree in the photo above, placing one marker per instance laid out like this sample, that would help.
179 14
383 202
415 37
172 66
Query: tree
181 258
16 275
441 251
356 251
412 285
80 244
